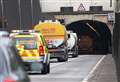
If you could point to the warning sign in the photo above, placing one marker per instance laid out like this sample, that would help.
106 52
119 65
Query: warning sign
81 7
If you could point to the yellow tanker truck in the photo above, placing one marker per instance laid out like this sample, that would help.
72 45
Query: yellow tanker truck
56 37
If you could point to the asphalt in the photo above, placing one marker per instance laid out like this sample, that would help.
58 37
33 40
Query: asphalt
74 70
105 72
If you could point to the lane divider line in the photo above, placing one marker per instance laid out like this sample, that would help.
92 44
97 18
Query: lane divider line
93 69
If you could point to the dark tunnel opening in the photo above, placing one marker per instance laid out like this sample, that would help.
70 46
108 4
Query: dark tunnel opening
94 36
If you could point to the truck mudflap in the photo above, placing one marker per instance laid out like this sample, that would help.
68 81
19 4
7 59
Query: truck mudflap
73 53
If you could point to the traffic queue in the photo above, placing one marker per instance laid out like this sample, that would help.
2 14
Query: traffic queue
35 47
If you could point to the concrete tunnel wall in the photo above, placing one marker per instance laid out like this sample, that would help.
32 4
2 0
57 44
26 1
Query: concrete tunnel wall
97 32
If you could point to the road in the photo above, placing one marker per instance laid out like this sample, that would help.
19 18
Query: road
75 70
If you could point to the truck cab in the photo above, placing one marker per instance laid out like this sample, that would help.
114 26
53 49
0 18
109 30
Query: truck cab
72 44
56 37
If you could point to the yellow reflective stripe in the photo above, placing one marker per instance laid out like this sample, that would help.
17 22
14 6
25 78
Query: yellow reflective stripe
36 52
28 53
23 53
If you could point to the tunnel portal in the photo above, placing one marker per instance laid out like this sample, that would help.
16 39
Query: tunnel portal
94 36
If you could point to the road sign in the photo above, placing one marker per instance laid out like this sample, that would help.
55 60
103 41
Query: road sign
81 7
111 17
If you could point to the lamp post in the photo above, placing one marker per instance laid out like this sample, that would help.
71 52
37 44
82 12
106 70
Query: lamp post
110 3
19 14
32 11
2 14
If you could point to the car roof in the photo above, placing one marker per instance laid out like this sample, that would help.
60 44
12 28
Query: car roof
4 33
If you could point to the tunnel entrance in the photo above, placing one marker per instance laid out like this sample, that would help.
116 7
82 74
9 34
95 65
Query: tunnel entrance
94 36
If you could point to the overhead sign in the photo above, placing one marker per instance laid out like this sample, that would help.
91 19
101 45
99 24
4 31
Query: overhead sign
81 7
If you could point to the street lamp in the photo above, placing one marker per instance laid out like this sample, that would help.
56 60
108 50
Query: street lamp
110 3
2 14
19 14
32 10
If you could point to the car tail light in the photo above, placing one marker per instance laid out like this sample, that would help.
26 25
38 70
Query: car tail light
41 50
9 80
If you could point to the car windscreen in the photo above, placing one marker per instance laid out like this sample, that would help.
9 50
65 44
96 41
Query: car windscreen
3 64
26 42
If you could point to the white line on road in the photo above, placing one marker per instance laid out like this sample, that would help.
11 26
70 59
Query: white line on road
93 69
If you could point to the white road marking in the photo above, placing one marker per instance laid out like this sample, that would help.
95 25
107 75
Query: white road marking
93 69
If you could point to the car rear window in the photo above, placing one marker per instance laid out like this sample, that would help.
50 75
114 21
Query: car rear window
27 42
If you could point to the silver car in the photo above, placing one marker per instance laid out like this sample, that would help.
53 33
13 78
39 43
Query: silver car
4 34
11 68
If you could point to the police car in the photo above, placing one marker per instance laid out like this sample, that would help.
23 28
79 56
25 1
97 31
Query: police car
33 50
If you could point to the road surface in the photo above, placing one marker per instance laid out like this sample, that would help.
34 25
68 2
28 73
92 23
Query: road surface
74 70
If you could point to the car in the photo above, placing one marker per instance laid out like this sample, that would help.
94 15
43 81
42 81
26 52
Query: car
33 50
4 34
11 67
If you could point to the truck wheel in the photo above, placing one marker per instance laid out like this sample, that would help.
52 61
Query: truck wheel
63 59
74 55
46 69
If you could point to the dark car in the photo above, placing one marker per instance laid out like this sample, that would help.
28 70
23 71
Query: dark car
11 68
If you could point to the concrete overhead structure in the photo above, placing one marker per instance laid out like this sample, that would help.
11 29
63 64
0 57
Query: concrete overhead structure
54 5
72 18
99 17
93 11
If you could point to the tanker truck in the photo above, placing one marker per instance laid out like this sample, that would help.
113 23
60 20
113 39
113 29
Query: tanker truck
56 37
72 44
